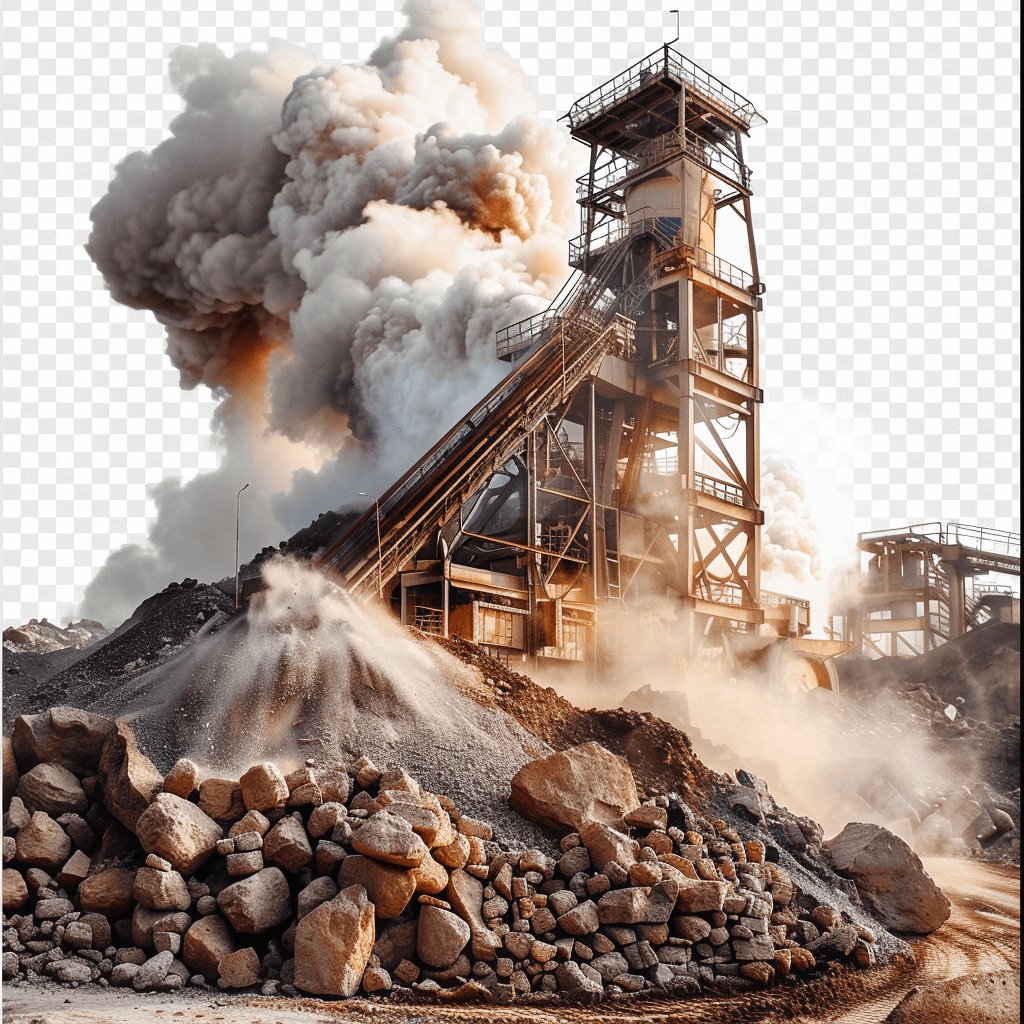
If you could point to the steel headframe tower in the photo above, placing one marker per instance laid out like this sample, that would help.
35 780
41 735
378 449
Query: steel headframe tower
666 160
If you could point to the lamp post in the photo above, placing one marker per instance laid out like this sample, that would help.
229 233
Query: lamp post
238 511
380 567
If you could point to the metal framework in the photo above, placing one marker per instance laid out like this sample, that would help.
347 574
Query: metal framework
916 591
620 457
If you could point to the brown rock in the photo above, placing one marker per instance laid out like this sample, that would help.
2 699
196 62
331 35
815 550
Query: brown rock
647 817
74 871
454 854
441 937
698 897
51 788
42 843
287 844
109 892
389 838
396 941
183 779
389 888
161 890
324 818
637 905
335 785
264 787
10 770
581 920
257 903
221 799
15 891
320 890
607 845
239 969
178 831
131 779
430 877
65 736
890 878
146 922
253 821
584 783
424 823
207 942
466 896
100 929
333 944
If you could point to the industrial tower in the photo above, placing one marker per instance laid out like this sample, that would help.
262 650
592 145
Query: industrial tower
617 466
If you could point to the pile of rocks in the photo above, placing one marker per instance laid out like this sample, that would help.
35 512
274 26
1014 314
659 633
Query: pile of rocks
330 882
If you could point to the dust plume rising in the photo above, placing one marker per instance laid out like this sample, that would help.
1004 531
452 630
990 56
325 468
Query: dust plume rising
330 251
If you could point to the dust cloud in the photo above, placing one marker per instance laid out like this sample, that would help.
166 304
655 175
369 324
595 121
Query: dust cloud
311 670
330 251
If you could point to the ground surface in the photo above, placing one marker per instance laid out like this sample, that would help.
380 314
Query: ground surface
982 935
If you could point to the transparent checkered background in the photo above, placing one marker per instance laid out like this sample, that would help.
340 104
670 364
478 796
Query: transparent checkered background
887 228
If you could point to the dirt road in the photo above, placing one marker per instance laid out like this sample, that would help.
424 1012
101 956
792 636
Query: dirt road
982 935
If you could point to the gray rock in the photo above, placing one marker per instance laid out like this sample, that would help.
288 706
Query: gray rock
153 971
441 937
52 788
610 965
256 903
178 831
890 878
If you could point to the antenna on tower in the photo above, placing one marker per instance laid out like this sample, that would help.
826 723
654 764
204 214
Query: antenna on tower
671 41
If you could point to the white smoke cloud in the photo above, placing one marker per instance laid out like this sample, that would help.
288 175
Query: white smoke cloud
331 251
791 539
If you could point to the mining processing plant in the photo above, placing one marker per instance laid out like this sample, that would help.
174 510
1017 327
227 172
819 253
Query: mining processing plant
927 583
616 469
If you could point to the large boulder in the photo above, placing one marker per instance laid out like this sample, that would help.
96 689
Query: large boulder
333 944
581 784
131 780
161 890
978 998
258 902
178 831
66 736
890 878
52 788
389 888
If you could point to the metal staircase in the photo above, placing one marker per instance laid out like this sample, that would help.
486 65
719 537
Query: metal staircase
558 348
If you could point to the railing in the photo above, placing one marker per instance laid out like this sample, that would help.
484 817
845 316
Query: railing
721 593
667 63
677 142
521 335
983 538
721 489
665 230
772 600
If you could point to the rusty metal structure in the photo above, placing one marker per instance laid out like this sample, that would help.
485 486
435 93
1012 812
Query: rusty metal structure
917 588
618 463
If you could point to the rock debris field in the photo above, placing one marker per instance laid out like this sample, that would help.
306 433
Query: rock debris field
595 857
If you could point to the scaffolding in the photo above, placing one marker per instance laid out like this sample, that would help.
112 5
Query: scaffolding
620 458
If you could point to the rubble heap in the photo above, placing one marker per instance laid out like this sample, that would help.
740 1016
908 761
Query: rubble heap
333 882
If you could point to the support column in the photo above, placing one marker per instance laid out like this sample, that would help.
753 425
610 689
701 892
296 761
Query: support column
957 600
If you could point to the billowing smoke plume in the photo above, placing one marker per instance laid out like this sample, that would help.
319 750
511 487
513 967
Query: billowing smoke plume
791 540
331 251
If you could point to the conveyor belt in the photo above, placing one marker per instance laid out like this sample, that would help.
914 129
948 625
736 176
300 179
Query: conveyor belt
571 342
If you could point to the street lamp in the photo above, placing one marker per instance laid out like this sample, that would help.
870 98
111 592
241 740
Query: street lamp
238 511
380 568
